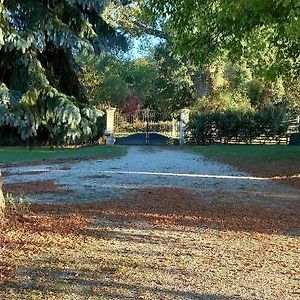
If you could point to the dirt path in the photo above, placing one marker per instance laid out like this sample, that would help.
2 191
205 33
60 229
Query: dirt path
99 180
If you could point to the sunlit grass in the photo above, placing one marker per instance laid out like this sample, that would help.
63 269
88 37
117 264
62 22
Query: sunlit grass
259 159
10 155
250 153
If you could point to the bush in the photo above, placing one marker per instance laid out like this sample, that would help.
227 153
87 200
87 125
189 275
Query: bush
239 126
249 128
295 139
228 125
202 128
274 122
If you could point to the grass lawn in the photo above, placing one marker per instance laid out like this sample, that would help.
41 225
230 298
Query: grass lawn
282 162
10 155
268 160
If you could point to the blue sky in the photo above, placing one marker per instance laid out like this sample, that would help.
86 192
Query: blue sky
140 47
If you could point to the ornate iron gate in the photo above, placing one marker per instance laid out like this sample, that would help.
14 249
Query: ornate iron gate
145 122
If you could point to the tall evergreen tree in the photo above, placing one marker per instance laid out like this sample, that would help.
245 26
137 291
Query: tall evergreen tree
39 76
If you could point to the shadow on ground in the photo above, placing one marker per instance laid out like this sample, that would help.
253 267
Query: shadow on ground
167 206
155 245
86 284
155 139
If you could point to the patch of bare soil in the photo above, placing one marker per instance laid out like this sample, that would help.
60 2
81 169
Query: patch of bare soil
51 161
292 181
34 187
46 162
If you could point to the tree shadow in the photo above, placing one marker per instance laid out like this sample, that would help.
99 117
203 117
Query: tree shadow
162 207
153 216
178 206
83 283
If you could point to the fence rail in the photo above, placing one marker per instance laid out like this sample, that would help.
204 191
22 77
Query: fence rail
294 127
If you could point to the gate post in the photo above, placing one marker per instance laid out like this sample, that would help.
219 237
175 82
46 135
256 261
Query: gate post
174 128
184 119
109 132
147 125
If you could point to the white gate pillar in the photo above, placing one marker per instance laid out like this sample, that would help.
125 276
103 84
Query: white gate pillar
110 121
184 119
174 128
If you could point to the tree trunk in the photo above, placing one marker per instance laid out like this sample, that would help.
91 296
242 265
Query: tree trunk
2 202
265 97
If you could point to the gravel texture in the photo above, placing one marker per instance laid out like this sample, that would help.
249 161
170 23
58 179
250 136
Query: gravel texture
181 227
146 166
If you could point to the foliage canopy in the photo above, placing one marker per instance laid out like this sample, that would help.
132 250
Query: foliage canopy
264 33
39 77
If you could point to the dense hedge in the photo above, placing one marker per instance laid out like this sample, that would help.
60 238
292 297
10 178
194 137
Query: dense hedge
237 126
295 139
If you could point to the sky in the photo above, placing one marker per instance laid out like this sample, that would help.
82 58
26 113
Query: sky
141 47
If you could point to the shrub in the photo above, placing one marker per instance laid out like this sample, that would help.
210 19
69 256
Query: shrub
274 122
202 128
295 139
241 126
228 125
250 127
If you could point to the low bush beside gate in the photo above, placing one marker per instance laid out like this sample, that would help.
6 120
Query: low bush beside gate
238 127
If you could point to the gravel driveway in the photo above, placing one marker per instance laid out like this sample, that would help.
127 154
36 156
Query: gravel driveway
185 234
146 166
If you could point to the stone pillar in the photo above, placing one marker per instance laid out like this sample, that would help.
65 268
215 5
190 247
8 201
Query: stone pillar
184 119
110 120
174 128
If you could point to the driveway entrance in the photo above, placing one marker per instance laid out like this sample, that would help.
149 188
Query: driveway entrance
145 127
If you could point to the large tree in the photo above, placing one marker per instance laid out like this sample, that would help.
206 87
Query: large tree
265 33
136 18
39 76
160 82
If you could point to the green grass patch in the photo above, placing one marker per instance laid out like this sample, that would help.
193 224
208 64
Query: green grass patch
10 155
259 159
249 153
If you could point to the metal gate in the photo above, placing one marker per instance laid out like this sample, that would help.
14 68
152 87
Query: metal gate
146 125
